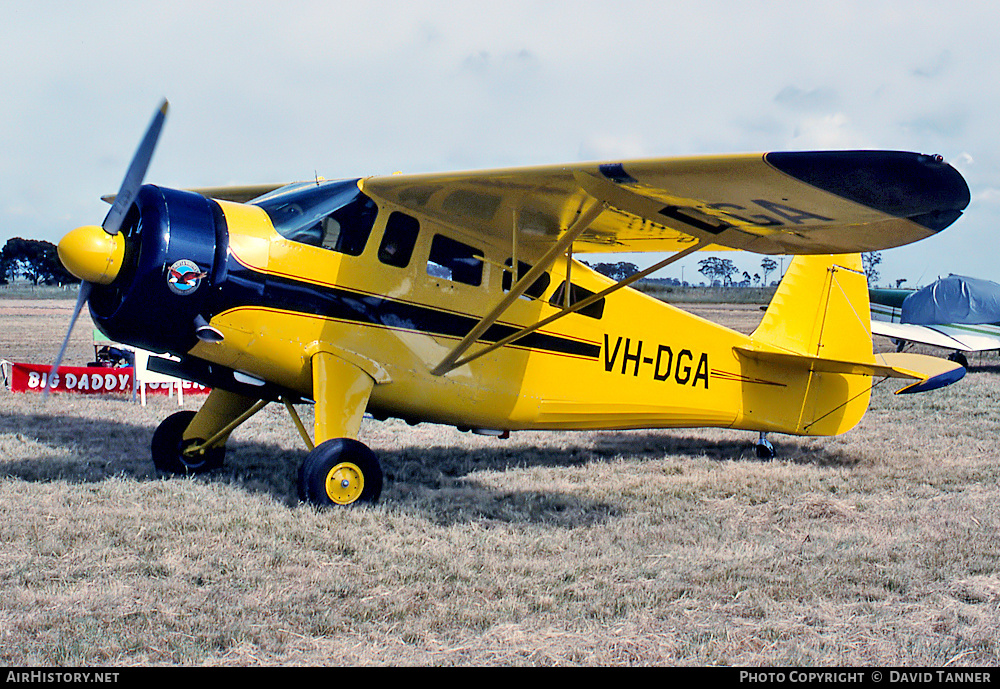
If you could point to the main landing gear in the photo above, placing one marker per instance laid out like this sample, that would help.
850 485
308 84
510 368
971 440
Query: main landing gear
173 454
338 470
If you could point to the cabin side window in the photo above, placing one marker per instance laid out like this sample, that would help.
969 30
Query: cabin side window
535 290
577 294
399 239
455 261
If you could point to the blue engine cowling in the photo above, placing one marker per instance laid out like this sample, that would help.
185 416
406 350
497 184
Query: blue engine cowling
174 266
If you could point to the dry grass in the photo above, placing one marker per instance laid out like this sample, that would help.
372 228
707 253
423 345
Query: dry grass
878 547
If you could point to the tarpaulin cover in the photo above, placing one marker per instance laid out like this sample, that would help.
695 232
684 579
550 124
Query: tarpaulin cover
954 299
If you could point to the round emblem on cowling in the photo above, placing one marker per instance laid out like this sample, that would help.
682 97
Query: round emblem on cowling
184 276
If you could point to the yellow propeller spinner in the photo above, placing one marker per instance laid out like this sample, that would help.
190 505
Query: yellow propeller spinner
91 254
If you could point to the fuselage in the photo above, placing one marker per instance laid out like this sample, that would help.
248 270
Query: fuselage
295 272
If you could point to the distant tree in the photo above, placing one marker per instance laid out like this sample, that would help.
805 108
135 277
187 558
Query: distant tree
869 261
616 271
33 259
8 268
756 278
899 282
721 269
768 265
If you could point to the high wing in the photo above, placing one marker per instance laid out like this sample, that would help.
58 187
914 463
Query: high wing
771 203
958 337
237 194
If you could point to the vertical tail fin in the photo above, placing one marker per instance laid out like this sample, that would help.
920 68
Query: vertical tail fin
820 309
820 312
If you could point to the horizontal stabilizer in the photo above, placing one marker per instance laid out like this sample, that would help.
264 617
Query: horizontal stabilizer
929 372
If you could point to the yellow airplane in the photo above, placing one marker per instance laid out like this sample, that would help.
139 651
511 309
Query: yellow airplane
443 298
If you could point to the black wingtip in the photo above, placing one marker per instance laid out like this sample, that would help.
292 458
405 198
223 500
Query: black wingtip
922 188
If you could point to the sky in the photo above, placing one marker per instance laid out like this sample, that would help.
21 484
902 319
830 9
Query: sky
267 92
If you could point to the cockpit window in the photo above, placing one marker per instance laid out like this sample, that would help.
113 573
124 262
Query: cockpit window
333 215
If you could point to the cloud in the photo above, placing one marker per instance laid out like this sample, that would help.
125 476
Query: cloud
277 91
935 67
833 131
812 100
990 195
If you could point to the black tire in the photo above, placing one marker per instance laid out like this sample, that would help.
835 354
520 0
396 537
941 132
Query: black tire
168 448
959 359
764 451
340 472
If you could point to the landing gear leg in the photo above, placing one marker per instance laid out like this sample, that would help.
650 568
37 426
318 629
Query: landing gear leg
763 447
180 443
339 470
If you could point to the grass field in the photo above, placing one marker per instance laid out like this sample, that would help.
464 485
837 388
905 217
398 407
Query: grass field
878 547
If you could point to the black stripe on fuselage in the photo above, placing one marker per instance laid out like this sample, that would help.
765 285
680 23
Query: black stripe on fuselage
247 287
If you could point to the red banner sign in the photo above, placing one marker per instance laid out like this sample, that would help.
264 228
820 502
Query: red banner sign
86 380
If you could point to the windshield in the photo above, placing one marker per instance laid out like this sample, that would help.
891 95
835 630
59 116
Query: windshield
333 215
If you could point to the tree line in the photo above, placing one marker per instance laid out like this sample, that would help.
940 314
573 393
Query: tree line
34 260
727 273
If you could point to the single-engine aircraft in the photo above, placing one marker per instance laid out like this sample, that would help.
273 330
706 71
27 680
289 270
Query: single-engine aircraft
956 312
455 298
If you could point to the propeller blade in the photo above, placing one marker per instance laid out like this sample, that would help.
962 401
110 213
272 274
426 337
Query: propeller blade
81 299
136 172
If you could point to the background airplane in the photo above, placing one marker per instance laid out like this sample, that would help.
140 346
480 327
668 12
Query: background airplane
957 313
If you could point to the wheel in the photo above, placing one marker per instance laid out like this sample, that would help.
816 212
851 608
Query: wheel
168 448
959 359
764 448
341 471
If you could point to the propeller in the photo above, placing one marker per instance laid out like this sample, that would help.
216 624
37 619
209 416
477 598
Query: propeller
95 254
136 172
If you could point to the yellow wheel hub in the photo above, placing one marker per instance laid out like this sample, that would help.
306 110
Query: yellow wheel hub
344 483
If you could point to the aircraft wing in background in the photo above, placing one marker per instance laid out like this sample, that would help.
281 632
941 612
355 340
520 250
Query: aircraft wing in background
957 313
962 338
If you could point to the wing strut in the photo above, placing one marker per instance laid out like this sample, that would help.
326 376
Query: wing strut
452 361
582 222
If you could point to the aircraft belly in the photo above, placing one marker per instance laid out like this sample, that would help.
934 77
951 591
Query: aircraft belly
572 414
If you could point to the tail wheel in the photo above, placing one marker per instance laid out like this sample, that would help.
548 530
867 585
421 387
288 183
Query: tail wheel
341 471
168 448
764 448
